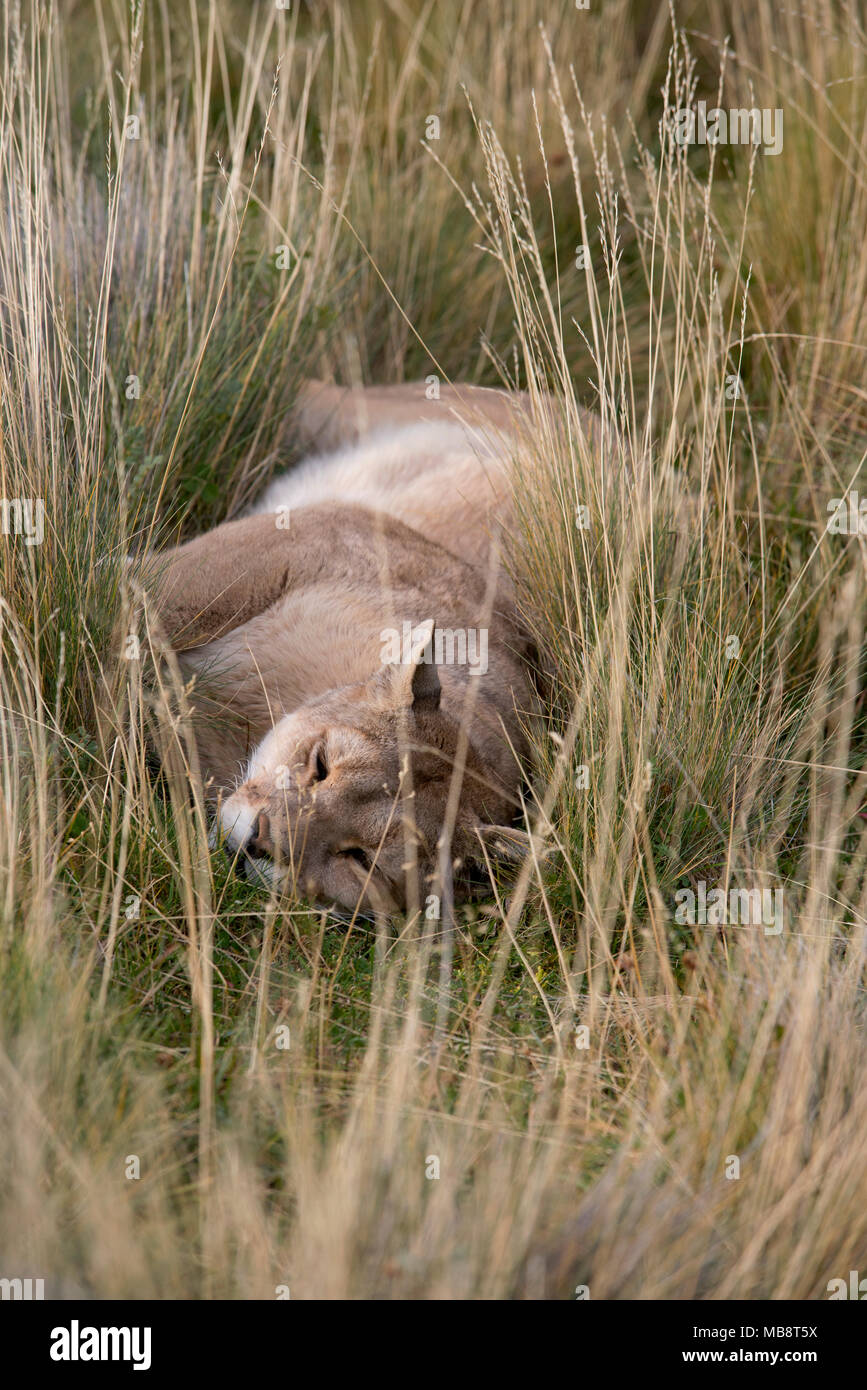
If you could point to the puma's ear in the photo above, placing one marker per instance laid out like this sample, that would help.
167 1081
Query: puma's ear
415 683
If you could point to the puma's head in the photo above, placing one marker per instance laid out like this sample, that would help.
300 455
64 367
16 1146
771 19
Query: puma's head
346 798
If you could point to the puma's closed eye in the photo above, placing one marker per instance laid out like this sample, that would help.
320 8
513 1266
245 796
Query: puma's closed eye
357 853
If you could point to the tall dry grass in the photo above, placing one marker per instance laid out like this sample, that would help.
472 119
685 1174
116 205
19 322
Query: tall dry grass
299 1120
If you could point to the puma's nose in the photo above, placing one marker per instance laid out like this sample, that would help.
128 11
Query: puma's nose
257 844
260 846
247 835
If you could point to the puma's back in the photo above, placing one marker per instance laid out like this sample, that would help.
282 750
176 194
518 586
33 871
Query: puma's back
434 476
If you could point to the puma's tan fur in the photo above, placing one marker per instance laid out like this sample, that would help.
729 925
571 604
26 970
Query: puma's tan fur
332 767
440 466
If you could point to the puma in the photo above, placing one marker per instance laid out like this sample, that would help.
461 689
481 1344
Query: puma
341 757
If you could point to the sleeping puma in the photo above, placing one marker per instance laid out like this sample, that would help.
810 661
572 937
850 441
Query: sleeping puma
360 673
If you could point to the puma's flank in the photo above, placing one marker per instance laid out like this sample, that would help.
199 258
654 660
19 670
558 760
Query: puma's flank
360 671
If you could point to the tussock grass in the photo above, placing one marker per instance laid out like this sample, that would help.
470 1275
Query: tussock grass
287 1084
